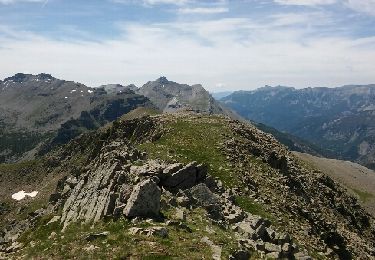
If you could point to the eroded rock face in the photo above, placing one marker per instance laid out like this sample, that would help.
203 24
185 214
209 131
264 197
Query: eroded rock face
144 201
96 194
114 185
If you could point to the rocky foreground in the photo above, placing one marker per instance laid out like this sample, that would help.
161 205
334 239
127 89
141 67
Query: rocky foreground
188 186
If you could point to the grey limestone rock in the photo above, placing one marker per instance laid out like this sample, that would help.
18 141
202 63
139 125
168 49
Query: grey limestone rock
144 201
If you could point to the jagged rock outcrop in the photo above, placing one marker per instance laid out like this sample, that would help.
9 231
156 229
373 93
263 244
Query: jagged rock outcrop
144 201
112 186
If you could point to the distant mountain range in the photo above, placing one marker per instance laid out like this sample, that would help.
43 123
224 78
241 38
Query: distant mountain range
38 112
340 121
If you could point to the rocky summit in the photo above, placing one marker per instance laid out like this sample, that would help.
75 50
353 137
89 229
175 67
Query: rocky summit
179 186
170 96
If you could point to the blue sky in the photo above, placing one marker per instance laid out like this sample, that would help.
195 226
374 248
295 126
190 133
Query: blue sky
222 44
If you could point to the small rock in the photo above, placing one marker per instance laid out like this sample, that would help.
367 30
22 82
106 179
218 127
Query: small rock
134 231
94 236
54 219
269 247
180 214
90 248
52 235
158 231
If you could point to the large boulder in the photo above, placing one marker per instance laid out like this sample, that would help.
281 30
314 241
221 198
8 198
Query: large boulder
144 201
182 178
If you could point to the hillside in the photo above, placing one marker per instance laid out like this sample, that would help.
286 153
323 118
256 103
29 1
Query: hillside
37 108
340 121
182 185
358 179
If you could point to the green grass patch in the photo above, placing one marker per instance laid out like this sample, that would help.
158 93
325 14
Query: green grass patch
119 244
364 196
14 168
253 207
195 140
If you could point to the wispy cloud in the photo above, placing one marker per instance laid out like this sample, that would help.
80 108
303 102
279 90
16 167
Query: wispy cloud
364 6
305 2
203 10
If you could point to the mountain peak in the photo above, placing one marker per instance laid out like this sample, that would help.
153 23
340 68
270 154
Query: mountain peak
162 80
18 77
22 77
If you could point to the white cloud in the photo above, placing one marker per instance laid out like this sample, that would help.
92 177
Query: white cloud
364 6
203 10
241 52
305 2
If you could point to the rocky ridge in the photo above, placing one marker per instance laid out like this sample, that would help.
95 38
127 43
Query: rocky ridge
260 196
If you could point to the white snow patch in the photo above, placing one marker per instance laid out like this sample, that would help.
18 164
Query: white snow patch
90 91
81 91
66 97
22 194
72 91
